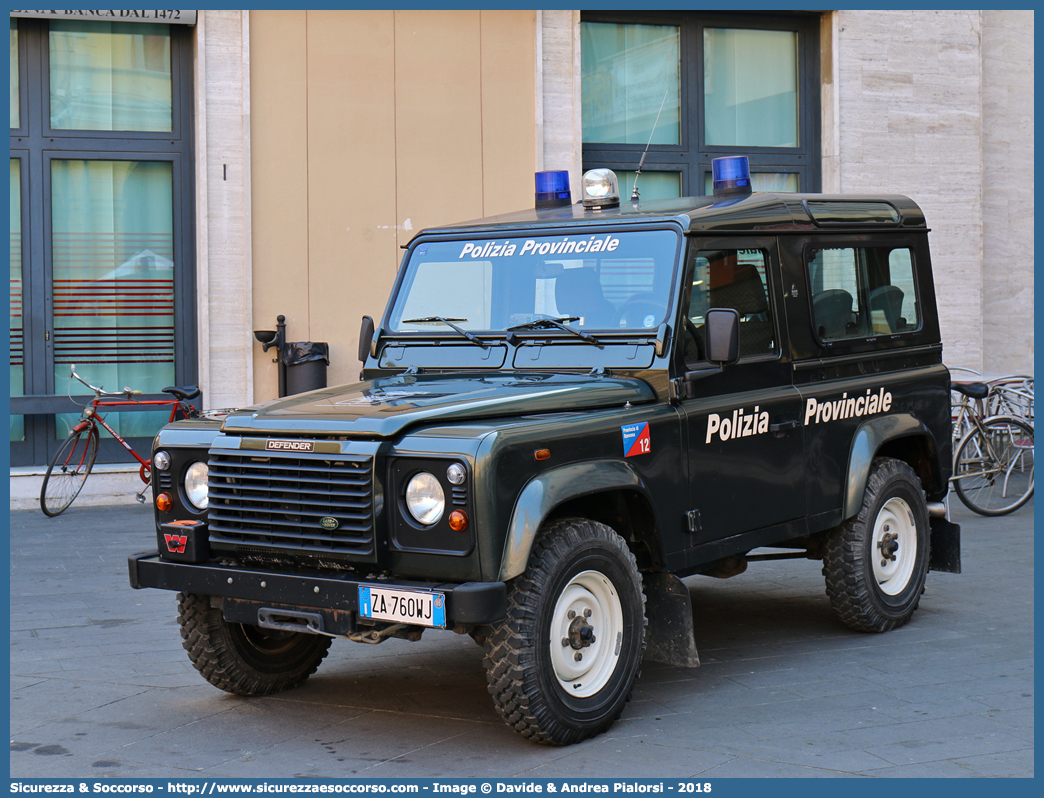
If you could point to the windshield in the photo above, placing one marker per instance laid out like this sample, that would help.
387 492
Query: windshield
593 281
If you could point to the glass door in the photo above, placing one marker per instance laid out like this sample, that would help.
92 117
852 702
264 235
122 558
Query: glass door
102 238
112 282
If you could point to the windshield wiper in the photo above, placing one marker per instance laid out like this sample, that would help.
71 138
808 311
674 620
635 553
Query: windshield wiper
546 321
449 323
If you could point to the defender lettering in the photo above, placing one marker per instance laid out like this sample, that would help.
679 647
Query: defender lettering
290 446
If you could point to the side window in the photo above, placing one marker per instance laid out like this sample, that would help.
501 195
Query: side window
731 278
861 292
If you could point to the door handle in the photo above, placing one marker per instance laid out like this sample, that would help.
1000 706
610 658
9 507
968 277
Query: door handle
783 427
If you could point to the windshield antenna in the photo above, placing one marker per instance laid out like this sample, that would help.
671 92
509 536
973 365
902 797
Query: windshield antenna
634 189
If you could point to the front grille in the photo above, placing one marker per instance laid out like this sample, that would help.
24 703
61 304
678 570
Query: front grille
271 501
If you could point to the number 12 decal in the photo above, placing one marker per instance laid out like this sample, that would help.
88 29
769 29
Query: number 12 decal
636 439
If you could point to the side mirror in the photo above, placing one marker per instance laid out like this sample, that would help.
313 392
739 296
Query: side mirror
723 341
365 338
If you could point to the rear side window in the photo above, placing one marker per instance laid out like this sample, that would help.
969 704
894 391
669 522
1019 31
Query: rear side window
862 292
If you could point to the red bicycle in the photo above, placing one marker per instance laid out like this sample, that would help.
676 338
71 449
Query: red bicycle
72 464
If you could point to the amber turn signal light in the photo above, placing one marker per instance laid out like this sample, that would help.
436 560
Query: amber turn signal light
164 502
458 521
542 454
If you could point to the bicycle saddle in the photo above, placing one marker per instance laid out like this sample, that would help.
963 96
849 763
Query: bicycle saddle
185 392
973 390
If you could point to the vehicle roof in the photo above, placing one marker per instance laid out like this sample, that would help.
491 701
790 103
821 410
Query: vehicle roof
757 212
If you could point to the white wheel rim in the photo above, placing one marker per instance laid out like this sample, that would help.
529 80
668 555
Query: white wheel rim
592 593
894 546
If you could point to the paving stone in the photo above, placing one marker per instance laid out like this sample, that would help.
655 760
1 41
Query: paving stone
691 731
930 710
942 769
1001 765
951 746
629 758
917 731
840 686
21 682
801 722
1018 721
47 700
352 747
749 768
97 732
1008 700
225 736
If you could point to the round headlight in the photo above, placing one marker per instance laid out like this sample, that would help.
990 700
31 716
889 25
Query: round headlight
196 485
424 498
161 461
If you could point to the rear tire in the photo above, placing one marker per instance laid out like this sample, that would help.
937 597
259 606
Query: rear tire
562 664
876 563
68 470
244 659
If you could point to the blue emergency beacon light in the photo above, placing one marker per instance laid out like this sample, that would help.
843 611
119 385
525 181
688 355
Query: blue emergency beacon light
552 189
731 176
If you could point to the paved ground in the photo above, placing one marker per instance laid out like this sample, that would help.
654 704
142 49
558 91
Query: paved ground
100 685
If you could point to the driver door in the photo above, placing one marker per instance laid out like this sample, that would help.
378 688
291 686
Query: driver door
745 441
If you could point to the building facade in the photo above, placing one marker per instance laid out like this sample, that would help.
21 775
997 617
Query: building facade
179 182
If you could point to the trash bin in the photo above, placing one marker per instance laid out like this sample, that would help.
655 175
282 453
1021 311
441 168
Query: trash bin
305 363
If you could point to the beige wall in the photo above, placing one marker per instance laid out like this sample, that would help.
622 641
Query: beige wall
366 127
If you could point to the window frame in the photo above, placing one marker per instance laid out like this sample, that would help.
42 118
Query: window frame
855 242
692 157
767 246
38 145
23 105
180 114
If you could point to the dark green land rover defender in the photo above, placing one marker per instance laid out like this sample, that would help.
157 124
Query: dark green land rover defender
562 412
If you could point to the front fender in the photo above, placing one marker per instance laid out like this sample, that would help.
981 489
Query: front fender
868 440
548 490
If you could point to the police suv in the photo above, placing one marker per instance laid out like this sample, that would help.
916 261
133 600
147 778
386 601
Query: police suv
562 412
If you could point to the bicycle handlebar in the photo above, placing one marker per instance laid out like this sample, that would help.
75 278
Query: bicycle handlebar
98 390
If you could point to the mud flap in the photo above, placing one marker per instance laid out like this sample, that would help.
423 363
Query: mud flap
945 546
669 635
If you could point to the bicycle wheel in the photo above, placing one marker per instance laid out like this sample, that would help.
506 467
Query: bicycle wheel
69 470
993 470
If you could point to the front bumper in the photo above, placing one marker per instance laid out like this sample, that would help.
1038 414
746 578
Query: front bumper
470 603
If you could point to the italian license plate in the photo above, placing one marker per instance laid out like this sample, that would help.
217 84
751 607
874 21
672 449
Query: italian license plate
402 606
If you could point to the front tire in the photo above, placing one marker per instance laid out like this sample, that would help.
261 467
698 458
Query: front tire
69 470
562 665
876 563
243 659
